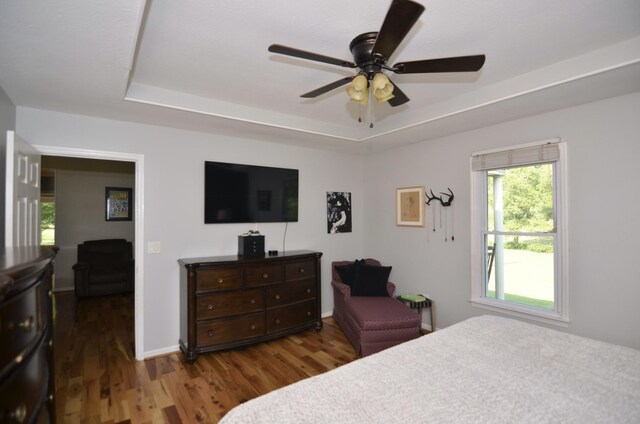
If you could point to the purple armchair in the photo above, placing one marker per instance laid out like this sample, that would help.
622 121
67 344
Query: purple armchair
372 324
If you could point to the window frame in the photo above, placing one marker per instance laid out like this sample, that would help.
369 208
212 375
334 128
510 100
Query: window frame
479 227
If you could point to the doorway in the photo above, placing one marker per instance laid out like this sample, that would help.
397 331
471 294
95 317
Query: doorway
73 207
138 161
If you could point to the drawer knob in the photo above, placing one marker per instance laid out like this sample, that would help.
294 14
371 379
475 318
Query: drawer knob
277 320
253 301
308 313
209 306
51 343
19 358
19 414
253 327
220 280
308 290
301 270
277 297
265 275
210 333
50 293
27 324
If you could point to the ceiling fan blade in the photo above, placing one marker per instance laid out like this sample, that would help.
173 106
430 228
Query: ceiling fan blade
449 64
402 15
327 88
290 51
399 98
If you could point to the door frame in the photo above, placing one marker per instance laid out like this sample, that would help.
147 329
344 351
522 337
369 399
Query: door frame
138 159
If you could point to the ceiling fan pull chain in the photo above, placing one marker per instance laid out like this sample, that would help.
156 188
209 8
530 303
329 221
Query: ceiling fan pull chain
371 106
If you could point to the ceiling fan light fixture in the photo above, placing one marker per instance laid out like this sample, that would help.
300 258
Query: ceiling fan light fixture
382 88
358 89
371 51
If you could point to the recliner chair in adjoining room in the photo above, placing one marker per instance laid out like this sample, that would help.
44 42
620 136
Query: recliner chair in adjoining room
104 267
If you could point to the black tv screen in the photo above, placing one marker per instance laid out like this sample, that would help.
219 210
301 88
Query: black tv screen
236 193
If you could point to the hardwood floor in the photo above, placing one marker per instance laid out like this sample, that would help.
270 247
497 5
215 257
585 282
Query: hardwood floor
99 381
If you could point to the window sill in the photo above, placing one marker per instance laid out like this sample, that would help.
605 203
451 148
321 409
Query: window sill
534 314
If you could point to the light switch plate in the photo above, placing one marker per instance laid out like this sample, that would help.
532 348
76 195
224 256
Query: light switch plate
153 247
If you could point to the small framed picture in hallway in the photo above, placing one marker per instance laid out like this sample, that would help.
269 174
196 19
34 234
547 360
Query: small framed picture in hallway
119 203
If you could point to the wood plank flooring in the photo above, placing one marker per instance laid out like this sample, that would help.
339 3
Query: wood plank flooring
99 381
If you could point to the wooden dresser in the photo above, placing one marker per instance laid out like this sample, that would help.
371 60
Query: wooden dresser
26 347
230 301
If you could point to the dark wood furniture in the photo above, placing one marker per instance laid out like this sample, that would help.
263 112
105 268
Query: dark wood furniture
231 301
104 267
26 353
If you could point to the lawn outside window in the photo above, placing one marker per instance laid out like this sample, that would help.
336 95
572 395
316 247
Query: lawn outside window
518 229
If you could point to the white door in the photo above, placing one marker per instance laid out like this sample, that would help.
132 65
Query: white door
22 204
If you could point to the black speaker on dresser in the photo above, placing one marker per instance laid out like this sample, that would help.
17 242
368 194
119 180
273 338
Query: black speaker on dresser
251 246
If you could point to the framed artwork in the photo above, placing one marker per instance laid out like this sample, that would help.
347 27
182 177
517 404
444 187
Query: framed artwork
118 203
410 206
338 212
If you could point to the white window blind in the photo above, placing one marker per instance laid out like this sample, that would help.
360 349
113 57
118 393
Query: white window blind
516 157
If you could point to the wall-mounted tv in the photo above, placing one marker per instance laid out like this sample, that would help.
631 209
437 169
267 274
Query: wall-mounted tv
237 193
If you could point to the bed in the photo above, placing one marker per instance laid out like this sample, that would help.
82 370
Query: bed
483 370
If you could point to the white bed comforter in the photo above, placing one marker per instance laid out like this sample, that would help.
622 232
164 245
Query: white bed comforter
483 370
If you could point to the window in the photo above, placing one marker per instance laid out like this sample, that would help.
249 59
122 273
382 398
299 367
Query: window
519 232
47 207
48 223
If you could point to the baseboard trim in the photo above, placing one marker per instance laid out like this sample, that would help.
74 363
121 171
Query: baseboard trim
160 352
426 327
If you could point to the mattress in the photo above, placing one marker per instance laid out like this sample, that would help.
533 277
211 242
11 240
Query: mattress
483 370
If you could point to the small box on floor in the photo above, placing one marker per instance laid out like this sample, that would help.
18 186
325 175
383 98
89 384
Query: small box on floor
251 246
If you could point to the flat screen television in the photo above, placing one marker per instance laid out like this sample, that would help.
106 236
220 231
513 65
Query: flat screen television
237 193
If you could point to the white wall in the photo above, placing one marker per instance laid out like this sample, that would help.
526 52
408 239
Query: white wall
7 123
80 216
604 199
174 204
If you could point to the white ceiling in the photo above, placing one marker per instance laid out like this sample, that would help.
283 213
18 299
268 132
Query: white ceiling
204 65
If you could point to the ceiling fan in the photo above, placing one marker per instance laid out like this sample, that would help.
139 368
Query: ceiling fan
372 50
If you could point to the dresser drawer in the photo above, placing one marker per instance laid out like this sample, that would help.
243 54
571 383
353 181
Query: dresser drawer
285 293
302 269
230 329
263 274
291 316
21 323
218 279
227 304
26 390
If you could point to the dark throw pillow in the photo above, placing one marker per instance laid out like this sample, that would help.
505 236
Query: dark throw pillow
347 273
371 280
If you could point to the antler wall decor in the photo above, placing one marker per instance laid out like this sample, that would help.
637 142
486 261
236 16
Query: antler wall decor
445 200
442 202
